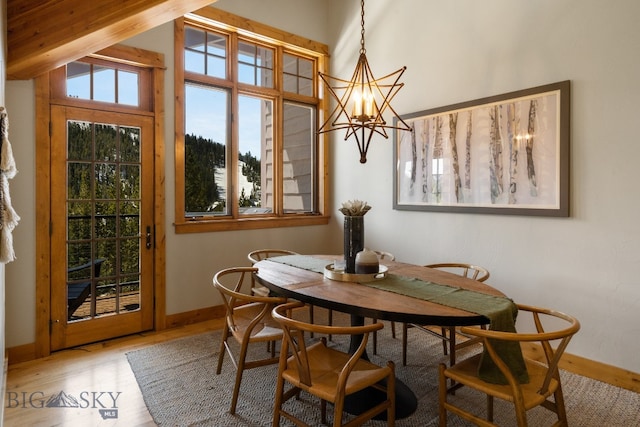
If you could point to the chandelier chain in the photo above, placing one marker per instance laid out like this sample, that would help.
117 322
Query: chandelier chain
362 49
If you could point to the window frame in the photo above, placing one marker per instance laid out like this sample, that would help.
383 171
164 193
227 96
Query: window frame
59 89
238 28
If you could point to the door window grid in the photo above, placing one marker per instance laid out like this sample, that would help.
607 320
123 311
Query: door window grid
103 233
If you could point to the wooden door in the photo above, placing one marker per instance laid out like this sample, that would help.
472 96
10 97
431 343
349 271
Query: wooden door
101 225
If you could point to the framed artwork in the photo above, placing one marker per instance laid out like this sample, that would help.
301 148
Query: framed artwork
505 154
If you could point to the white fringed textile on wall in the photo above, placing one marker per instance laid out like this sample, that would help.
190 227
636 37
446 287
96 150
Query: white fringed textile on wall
8 216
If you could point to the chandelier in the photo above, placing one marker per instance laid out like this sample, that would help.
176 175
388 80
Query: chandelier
362 101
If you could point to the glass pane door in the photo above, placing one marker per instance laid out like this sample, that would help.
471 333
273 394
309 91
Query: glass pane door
105 212
103 219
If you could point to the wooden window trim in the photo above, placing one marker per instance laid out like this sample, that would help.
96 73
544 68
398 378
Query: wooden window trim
238 27
129 58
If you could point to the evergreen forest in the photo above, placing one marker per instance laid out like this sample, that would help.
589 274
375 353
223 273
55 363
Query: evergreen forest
204 159
103 203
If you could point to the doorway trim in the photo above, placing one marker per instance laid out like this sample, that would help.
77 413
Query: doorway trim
118 53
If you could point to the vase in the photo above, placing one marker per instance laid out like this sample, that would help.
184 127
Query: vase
367 262
353 241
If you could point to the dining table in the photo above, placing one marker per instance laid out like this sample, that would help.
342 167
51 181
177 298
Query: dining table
401 292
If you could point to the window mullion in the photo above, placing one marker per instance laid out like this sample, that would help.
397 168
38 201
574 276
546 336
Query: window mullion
278 134
232 156
233 149
206 80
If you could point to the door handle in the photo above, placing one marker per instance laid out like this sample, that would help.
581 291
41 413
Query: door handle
148 237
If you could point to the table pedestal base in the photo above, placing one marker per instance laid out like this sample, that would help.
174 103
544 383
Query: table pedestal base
357 403
406 401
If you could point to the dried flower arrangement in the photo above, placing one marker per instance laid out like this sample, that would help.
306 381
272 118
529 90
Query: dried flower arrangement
354 208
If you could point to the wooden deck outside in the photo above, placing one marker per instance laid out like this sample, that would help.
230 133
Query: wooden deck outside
106 306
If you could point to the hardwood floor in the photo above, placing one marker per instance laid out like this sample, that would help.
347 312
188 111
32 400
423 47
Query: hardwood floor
97 376
90 373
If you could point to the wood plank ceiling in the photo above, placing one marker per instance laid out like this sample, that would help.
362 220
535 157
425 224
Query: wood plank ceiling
43 35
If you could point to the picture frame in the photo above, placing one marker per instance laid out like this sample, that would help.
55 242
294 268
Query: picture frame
505 154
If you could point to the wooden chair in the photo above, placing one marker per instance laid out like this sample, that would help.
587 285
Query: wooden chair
447 334
382 256
544 378
327 373
259 255
248 320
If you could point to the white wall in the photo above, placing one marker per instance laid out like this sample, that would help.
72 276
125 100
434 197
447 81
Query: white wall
21 273
306 18
465 49
455 51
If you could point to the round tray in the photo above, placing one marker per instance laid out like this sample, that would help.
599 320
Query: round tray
340 275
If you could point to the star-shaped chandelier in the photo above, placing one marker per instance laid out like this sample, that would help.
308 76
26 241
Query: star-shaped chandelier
362 101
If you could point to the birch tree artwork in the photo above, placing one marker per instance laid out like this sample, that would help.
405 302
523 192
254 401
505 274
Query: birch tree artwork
467 157
512 132
425 163
414 155
531 167
475 156
438 153
495 151
453 123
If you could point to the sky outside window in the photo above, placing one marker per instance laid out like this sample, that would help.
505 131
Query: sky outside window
206 112
99 83
206 53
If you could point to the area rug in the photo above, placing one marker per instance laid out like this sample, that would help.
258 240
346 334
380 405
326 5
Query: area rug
180 388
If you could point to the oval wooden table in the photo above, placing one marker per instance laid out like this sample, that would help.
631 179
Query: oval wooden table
362 301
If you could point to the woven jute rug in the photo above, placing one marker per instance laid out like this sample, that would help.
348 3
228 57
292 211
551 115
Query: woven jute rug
180 387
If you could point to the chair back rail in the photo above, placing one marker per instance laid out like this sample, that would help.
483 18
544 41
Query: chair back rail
248 319
325 372
294 338
544 386
386 256
260 254
232 297
552 355
471 271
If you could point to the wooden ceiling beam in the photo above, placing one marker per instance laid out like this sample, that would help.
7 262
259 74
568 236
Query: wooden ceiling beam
44 35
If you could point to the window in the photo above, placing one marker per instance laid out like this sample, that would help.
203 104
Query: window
247 153
102 83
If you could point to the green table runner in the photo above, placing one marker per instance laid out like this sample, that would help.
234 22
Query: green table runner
500 311
305 262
